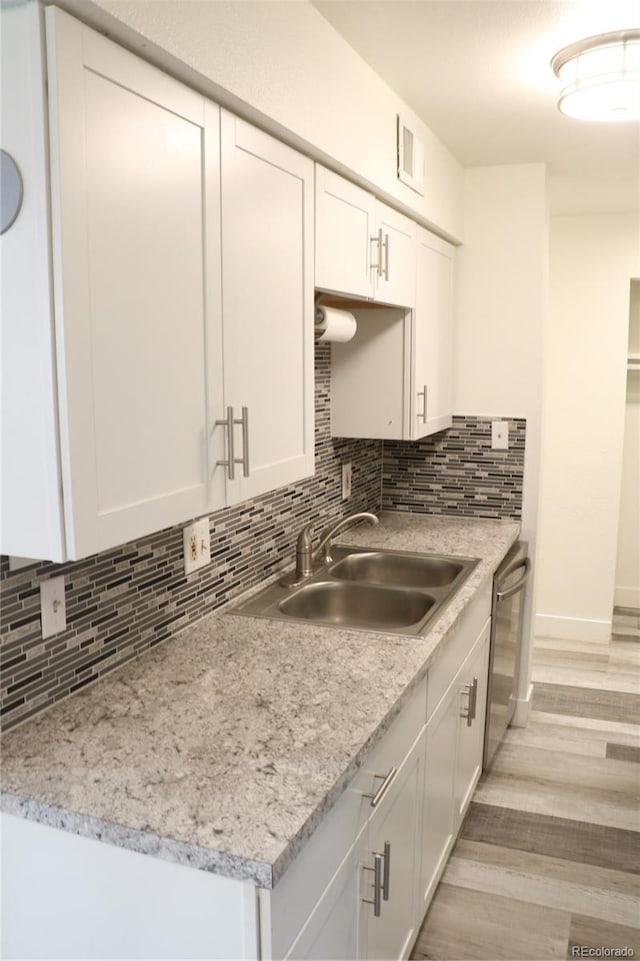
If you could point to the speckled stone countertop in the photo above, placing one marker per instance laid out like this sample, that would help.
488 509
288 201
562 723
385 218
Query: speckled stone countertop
225 747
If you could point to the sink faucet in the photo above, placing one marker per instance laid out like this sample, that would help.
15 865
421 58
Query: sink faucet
307 555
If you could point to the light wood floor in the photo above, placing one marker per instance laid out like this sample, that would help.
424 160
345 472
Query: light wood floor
548 860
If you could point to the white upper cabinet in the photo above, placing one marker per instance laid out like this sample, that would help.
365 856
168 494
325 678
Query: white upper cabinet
123 433
394 275
432 337
344 228
267 284
134 181
134 158
393 380
363 248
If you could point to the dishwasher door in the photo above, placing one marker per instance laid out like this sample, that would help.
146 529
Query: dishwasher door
507 612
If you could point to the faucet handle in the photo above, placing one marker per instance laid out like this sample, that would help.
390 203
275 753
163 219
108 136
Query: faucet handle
305 537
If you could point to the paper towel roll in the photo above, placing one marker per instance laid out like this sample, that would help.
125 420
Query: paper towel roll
336 325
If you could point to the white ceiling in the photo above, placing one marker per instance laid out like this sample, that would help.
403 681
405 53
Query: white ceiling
477 72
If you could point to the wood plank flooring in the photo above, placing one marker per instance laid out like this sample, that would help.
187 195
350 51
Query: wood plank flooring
548 861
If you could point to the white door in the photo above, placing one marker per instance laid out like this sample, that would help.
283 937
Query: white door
432 340
344 232
393 829
134 158
394 271
472 700
267 285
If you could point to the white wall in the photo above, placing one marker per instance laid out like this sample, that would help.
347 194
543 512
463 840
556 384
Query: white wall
282 65
592 259
502 300
627 588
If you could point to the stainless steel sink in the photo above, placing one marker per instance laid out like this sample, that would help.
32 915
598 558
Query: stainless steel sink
388 591
358 605
400 570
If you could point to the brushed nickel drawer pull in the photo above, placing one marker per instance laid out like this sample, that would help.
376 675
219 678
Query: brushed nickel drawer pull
382 790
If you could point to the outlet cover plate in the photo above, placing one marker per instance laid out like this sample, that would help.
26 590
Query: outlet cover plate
500 434
53 608
196 540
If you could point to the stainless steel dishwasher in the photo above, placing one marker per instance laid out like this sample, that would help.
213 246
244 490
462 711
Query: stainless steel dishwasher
507 613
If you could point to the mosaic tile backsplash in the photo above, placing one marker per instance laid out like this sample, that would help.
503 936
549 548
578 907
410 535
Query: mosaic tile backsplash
457 472
126 600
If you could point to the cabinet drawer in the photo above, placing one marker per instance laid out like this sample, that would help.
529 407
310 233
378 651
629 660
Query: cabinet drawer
285 909
456 647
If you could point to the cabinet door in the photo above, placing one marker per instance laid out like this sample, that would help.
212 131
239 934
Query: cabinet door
393 830
438 820
267 256
432 337
472 697
134 181
331 932
344 232
394 273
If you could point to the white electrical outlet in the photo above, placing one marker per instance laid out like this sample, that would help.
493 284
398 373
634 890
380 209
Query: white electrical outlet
196 540
500 434
346 481
53 609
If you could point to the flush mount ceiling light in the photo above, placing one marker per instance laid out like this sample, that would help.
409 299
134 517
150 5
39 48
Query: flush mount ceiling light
601 77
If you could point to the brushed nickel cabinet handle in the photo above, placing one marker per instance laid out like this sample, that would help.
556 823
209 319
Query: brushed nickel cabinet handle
385 244
376 900
423 415
377 240
472 691
382 790
229 422
386 875
245 441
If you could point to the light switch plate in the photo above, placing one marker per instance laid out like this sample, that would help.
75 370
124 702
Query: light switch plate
500 434
53 609
196 540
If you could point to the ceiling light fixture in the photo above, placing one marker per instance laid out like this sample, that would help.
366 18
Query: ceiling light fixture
601 77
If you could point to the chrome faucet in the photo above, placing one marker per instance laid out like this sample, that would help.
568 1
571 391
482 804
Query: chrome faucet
307 555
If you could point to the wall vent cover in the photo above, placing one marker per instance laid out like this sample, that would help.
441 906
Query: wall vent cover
410 157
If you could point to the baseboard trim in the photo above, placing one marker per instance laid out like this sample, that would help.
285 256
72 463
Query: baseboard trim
522 708
627 597
572 628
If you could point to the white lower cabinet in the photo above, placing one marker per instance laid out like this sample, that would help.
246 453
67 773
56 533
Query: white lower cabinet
402 810
422 777
454 748
472 693
393 829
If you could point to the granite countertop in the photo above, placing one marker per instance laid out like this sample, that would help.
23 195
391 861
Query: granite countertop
224 747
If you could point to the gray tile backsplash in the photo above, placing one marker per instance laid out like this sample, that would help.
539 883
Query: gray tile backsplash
457 472
126 600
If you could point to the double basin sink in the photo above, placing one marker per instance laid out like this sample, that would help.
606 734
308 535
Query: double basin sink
379 590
